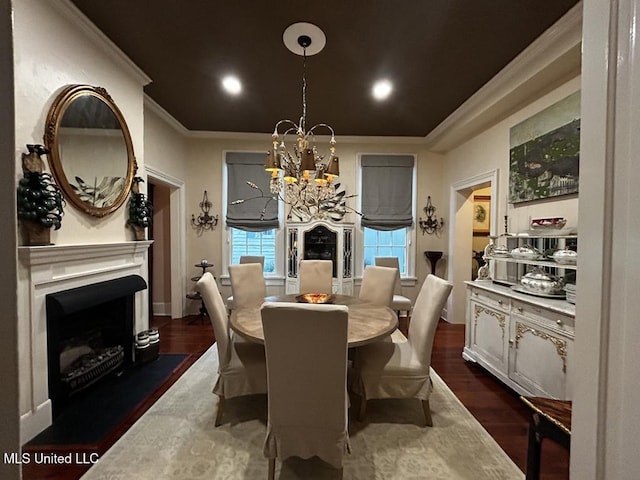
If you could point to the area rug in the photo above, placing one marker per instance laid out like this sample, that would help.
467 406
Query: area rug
176 439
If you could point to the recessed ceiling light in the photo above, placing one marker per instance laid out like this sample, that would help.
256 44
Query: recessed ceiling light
382 89
232 85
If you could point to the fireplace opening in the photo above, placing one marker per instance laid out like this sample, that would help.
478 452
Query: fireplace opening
90 332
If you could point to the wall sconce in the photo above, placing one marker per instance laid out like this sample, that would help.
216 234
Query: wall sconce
204 221
430 224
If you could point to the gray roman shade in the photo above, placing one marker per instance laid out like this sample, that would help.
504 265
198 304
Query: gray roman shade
387 191
255 214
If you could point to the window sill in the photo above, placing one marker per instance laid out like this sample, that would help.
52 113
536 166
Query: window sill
270 280
404 281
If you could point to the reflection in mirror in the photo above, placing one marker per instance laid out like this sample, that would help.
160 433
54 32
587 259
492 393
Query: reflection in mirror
91 149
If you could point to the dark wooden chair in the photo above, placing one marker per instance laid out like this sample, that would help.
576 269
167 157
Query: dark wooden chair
550 418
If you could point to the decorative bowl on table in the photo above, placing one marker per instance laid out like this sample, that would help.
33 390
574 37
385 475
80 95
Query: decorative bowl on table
526 252
315 298
565 257
538 281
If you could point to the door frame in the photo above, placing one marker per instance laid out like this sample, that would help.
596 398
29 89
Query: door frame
177 201
460 227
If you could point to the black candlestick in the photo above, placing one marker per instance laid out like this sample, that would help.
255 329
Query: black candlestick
433 257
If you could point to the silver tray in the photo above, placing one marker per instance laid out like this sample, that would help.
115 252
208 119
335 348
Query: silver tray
521 289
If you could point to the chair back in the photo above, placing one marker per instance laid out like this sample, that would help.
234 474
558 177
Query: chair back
316 276
306 351
426 314
252 259
391 262
208 289
378 284
247 284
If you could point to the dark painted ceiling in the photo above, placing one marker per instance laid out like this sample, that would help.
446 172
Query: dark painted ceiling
436 52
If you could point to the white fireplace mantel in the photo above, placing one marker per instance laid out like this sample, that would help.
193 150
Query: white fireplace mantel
43 270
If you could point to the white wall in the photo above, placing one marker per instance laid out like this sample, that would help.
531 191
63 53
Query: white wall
55 46
489 151
53 49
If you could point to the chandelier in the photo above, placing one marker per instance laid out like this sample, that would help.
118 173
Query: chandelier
300 176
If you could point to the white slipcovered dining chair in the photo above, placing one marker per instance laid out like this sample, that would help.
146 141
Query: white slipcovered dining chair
248 287
402 370
377 285
399 303
316 276
306 350
246 259
241 364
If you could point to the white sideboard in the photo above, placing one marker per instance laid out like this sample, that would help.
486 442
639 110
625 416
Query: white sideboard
524 340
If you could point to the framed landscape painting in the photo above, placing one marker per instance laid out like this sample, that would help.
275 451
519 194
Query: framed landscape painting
544 153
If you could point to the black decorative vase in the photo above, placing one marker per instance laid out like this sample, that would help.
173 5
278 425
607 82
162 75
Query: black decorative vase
433 257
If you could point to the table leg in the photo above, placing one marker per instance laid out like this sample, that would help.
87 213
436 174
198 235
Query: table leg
533 450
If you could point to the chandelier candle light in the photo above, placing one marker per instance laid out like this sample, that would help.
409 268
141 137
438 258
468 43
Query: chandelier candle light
299 175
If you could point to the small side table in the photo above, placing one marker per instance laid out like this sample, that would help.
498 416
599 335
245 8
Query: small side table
196 295
550 418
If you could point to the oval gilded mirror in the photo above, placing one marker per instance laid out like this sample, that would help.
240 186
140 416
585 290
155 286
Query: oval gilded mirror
91 150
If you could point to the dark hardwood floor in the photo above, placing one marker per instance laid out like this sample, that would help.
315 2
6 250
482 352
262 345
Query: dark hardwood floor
496 407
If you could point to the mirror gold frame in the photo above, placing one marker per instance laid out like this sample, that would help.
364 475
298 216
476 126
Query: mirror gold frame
87 135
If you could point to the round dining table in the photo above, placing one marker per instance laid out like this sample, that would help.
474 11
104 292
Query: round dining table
367 322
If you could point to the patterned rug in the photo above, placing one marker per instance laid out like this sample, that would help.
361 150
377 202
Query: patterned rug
176 439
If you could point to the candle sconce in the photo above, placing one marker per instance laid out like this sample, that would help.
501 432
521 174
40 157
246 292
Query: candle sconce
204 221
431 224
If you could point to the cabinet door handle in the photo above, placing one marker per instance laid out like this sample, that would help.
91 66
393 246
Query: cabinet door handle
559 322
520 310
499 302
511 341
475 294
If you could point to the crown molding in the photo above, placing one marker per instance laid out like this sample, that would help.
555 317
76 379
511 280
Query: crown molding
551 60
153 106
80 21
341 139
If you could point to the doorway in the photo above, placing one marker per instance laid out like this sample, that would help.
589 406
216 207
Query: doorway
168 267
467 231
160 251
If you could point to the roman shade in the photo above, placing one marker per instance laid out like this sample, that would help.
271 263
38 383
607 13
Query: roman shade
387 191
254 214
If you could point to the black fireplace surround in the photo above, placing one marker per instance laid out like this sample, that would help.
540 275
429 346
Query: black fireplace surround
97 317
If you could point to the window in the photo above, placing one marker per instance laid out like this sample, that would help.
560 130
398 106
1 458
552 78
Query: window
252 225
254 243
387 203
378 243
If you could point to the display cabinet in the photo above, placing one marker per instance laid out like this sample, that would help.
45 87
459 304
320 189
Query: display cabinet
519 324
508 270
321 240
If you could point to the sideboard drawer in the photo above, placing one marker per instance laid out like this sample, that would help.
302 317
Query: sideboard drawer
541 315
490 299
